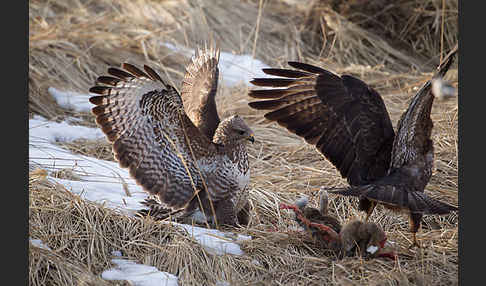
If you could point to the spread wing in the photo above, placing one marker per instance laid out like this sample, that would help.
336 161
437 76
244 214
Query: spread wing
345 119
412 159
415 125
199 90
144 119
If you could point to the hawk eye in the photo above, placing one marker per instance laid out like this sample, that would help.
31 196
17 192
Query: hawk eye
241 132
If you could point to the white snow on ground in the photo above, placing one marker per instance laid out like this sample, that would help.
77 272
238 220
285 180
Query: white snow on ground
215 241
39 243
62 131
71 100
233 69
138 274
236 69
101 181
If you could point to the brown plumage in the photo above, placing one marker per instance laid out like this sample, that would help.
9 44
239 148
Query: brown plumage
348 123
199 88
192 170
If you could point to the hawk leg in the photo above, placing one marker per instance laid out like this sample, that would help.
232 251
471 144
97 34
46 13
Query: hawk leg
225 213
243 215
415 220
369 210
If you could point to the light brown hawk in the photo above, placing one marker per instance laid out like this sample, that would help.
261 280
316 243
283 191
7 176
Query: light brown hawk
348 123
194 164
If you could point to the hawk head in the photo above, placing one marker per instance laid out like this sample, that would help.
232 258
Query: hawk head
233 130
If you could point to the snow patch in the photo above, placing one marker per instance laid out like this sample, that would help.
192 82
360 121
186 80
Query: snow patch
39 127
215 241
100 181
139 274
39 243
234 69
72 100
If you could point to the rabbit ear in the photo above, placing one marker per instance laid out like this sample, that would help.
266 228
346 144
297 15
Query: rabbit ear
323 201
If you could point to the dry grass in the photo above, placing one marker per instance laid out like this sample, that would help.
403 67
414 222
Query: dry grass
72 42
399 35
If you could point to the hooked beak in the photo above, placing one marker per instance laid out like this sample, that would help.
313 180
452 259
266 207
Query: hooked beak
251 138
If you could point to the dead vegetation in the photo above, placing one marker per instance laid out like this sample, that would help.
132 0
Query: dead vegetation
393 48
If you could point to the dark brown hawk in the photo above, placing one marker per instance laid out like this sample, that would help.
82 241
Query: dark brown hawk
348 123
192 162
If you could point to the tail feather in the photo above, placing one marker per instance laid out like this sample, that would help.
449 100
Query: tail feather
415 202
422 203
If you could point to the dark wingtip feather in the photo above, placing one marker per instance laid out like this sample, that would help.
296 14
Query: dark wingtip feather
109 80
272 82
265 104
120 73
97 100
285 72
274 116
153 74
307 67
103 90
267 93
97 110
134 70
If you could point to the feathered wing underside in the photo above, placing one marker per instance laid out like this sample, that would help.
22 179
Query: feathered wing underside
345 119
145 120
415 125
199 88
